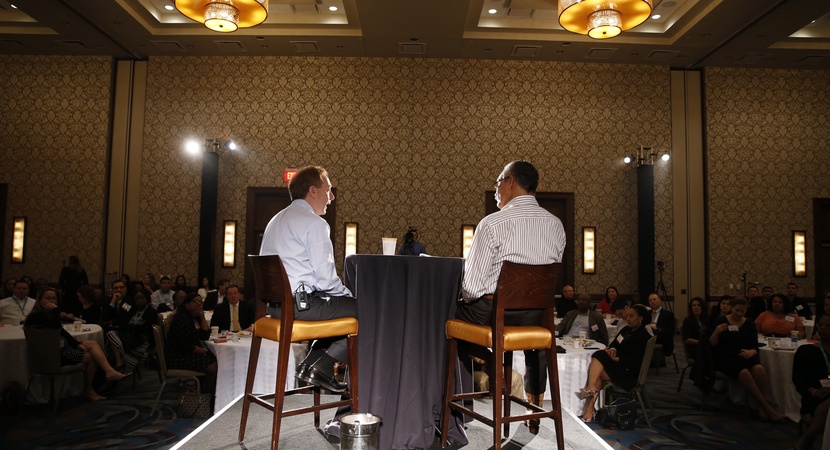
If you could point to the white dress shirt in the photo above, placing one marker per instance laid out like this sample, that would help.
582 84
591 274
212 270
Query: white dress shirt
13 311
301 239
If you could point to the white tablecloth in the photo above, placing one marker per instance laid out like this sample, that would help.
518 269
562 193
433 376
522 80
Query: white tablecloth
232 361
15 359
573 371
781 391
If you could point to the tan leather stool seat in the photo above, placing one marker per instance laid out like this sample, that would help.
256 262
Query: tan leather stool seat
269 328
515 338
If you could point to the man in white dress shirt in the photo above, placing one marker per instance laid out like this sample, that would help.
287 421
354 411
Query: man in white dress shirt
162 298
302 240
521 232
14 309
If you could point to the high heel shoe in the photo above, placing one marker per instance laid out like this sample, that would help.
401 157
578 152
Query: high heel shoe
586 393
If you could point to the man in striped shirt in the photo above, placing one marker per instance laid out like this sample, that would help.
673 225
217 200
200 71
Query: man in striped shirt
521 232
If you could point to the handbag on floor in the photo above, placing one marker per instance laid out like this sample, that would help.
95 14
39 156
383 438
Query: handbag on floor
620 414
193 404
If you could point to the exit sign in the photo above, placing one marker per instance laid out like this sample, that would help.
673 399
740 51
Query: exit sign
288 174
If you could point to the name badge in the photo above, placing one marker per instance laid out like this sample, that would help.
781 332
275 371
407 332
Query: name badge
789 319
126 307
594 327
733 328
619 338
799 308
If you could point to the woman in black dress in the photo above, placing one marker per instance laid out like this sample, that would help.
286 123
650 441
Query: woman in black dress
46 314
620 362
183 348
694 326
73 276
811 369
734 341
134 336
90 309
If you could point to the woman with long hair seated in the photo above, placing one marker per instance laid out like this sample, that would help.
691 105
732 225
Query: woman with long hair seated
46 314
620 362
780 319
612 303
811 368
694 326
722 309
734 342
129 343
183 348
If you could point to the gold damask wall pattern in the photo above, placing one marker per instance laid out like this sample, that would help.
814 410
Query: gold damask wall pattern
53 155
768 157
407 142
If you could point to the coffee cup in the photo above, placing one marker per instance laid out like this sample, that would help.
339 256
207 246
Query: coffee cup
76 326
214 332
389 245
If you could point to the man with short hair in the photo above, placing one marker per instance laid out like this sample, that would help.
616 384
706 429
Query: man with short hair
216 297
662 324
757 305
162 299
233 315
583 319
565 303
302 240
521 232
801 306
14 309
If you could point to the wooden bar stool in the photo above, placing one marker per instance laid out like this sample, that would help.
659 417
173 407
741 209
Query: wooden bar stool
272 286
520 286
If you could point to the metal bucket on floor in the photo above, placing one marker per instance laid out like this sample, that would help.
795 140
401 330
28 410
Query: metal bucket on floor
360 432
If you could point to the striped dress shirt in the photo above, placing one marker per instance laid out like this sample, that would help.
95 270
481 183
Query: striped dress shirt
522 232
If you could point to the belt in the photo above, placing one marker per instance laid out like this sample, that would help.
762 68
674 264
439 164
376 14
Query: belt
488 296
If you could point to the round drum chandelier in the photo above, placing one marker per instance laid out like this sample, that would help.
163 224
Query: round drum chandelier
603 19
225 16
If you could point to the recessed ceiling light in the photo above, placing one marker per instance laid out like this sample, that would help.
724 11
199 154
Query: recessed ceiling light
332 8
15 7
492 10
656 16
169 7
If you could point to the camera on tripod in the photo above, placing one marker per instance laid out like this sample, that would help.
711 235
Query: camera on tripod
661 266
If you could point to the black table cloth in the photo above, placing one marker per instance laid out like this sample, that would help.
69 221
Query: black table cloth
403 305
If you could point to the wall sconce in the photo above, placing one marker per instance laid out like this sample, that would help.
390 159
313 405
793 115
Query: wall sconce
229 247
467 234
799 253
19 240
589 253
645 156
351 238
210 146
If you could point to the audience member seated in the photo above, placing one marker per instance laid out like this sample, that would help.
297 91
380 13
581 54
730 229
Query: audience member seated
663 325
800 305
216 297
620 362
14 309
233 308
46 314
612 303
757 304
178 299
780 320
823 311
119 303
565 303
811 369
722 309
206 287
583 319
694 327
162 298
134 336
734 342
91 310
766 294
149 281
183 348
8 288
181 285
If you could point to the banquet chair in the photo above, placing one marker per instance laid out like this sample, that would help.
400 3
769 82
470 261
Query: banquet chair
45 360
272 286
166 373
640 389
520 286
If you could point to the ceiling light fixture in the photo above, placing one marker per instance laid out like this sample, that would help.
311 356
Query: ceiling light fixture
332 8
603 19
169 7
225 15
492 10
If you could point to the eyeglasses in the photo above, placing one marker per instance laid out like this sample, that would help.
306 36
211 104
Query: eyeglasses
498 182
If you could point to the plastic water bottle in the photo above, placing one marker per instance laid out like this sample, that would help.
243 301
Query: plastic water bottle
794 339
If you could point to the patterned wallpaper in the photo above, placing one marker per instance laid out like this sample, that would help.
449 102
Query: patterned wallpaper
407 142
769 156
53 155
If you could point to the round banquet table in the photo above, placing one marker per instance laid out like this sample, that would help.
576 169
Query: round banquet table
232 361
16 361
573 371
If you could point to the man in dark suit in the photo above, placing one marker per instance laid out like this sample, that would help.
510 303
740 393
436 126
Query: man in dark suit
802 307
662 325
233 308
216 297
566 303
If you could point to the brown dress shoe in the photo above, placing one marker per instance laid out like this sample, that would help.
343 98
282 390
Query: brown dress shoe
533 424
